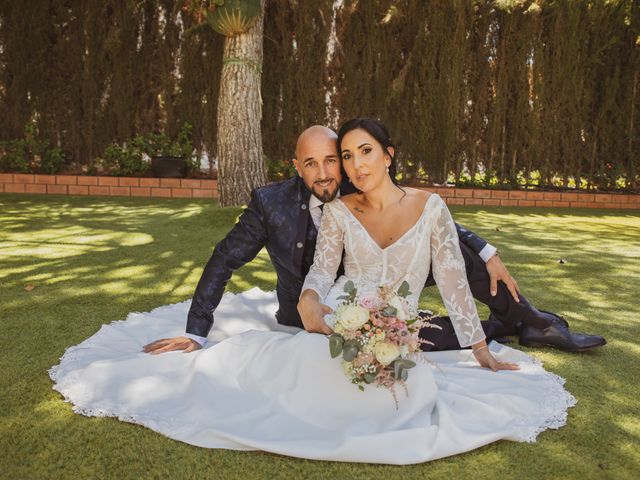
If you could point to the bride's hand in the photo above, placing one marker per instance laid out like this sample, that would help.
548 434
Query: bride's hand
312 313
486 359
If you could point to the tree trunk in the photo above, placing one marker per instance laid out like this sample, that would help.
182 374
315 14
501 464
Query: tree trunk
631 163
239 144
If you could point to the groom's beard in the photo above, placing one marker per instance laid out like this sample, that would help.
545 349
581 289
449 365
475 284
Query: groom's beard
325 190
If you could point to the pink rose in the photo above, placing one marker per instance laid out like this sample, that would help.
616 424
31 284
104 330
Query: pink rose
370 302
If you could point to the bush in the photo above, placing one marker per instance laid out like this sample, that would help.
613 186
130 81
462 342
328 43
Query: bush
124 161
52 160
30 155
184 145
279 169
14 157
132 159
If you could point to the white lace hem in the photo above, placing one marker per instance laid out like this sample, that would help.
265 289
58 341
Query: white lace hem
115 352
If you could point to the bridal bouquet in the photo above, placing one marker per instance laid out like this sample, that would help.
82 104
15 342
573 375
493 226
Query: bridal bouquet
375 335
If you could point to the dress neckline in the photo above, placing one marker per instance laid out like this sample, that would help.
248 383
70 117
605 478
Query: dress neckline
411 228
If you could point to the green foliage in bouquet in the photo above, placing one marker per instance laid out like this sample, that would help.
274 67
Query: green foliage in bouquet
336 344
404 291
401 367
351 292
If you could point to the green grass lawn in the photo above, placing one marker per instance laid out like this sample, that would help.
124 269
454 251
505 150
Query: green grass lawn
93 260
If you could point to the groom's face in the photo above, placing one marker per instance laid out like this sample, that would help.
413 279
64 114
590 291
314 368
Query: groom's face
318 164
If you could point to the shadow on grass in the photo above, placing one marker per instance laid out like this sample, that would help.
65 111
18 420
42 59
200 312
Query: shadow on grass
91 261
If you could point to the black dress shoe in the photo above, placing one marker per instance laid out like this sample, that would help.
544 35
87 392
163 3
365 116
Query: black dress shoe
559 318
557 335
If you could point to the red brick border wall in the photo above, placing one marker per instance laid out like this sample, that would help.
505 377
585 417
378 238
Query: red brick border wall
194 188
113 186
524 198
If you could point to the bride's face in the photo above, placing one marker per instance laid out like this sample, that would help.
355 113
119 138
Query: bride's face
364 160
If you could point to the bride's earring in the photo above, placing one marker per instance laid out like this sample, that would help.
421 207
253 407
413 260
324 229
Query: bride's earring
387 168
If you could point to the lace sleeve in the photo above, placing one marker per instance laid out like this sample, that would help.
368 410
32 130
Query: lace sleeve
450 275
328 255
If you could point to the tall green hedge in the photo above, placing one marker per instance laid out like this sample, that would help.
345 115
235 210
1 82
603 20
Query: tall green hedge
499 92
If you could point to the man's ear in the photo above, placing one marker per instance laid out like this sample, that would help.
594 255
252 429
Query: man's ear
297 166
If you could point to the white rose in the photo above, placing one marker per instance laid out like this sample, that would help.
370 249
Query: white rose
398 304
386 352
353 317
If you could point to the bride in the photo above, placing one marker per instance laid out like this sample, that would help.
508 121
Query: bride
385 252
280 391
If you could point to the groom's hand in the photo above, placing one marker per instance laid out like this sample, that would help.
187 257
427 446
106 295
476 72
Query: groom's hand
498 271
312 313
171 344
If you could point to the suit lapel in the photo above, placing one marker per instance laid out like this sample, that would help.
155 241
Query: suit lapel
302 224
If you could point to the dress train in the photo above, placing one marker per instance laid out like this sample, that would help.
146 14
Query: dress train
258 385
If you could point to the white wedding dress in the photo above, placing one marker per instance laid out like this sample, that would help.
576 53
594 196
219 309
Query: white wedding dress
260 386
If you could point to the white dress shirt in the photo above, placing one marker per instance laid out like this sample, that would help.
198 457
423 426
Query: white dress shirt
314 210
487 252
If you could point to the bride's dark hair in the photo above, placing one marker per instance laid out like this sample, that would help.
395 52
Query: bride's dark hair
378 131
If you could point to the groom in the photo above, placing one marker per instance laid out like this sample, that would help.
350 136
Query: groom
284 218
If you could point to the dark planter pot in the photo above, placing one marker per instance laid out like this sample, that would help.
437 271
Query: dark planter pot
167 166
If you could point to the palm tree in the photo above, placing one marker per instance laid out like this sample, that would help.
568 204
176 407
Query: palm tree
239 147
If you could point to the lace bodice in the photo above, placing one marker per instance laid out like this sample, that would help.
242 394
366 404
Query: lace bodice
431 240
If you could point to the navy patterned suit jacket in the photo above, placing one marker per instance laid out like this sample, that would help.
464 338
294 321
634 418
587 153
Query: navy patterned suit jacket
277 219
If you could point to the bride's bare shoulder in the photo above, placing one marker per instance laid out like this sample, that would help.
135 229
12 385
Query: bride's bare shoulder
418 192
351 200
417 196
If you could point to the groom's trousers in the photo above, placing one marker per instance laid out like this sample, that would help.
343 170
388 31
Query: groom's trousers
507 314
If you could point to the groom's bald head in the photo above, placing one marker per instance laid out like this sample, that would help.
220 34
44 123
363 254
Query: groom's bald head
314 135
317 161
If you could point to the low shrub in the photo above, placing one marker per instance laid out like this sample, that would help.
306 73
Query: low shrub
133 157
30 154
